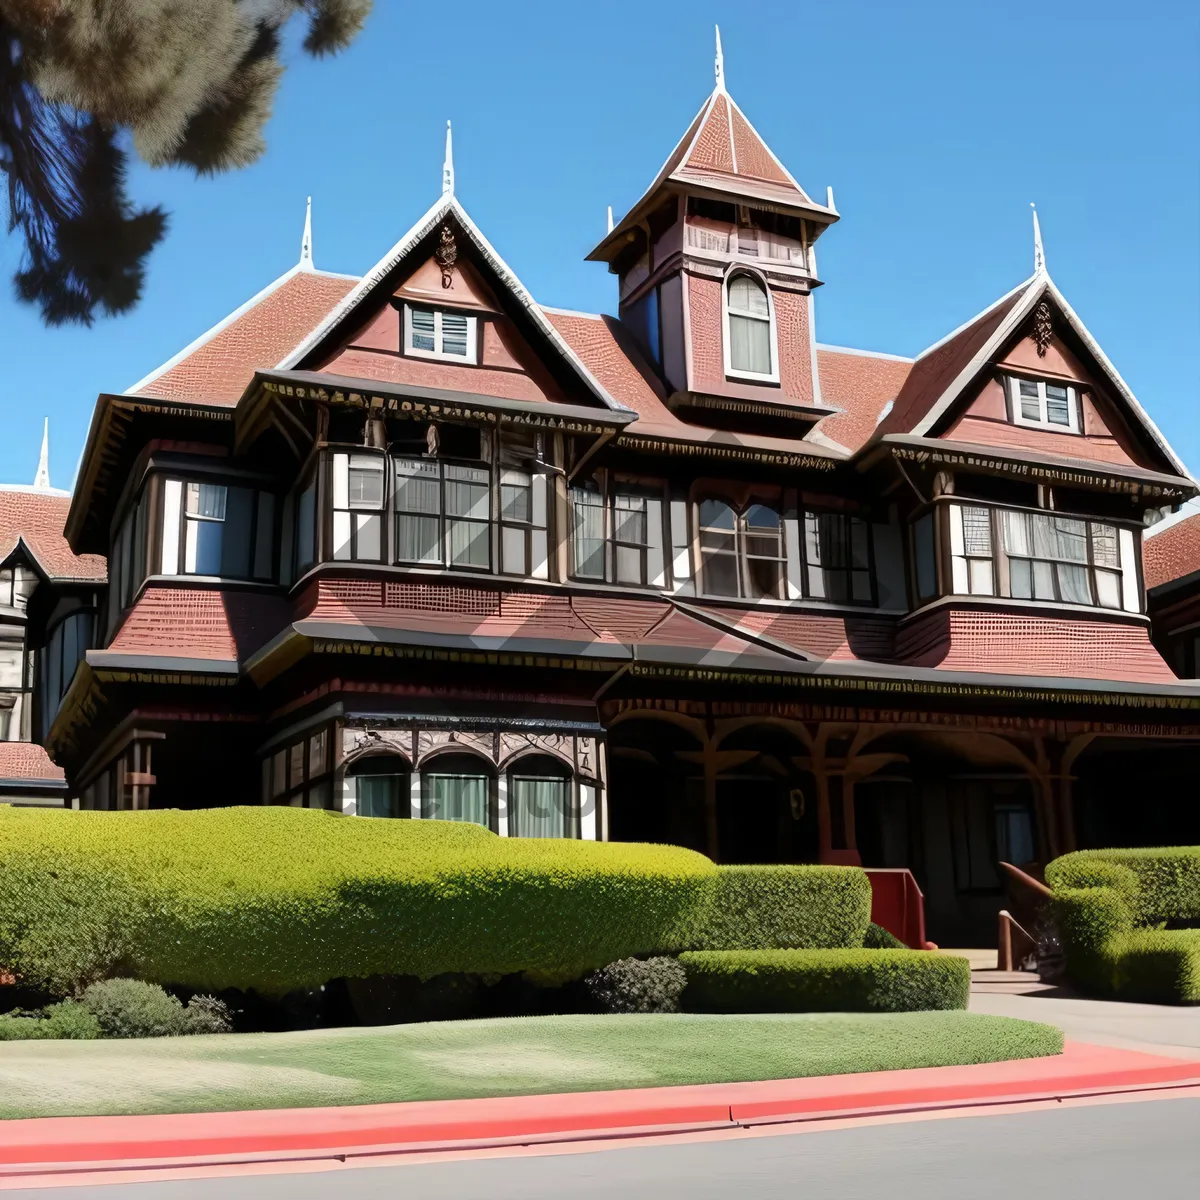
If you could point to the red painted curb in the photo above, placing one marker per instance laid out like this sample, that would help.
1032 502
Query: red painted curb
104 1142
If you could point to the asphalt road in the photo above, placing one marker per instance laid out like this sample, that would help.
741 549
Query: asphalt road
1093 1152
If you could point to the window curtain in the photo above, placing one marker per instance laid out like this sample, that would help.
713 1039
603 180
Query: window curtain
538 806
468 510
455 798
588 541
418 511
749 327
1046 549
381 795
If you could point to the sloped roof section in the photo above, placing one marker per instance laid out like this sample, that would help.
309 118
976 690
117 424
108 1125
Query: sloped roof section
1172 551
934 371
37 519
217 366
862 385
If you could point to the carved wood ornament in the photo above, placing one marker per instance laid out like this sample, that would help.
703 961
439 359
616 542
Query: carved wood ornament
446 255
1043 328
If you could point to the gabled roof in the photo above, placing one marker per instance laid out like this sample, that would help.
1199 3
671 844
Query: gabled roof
1171 549
446 208
217 366
722 151
942 373
35 519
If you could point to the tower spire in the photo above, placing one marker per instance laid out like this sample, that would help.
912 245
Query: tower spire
610 219
1039 253
448 165
306 257
42 478
720 62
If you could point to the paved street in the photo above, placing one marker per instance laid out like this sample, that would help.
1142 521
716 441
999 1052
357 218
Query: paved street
1094 1152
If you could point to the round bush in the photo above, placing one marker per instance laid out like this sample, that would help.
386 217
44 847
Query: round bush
637 985
129 1008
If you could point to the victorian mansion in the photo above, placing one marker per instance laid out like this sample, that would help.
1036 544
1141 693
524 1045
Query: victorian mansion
412 545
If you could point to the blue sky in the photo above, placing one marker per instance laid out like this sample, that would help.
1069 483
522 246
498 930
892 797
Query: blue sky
936 123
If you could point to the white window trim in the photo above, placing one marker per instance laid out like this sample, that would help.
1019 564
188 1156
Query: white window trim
771 376
469 359
1018 417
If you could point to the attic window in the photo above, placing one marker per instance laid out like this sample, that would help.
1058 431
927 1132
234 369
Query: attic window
438 333
1043 405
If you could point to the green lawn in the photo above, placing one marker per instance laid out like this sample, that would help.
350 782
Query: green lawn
517 1056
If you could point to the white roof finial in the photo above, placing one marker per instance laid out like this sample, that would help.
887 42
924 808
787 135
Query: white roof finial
720 63
448 165
42 478
306 258
610 220
829 204
1039 253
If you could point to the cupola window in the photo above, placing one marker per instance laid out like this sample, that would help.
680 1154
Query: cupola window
437 333
749 336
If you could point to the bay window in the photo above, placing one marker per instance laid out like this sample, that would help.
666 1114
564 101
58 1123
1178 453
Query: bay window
1042 556
837 551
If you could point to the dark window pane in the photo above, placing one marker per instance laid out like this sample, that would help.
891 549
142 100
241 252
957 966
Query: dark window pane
235 549
720 574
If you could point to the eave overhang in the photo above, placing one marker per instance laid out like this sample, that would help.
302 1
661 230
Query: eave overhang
271 388
1035 466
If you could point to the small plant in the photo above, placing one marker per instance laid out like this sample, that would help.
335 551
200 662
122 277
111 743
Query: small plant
638 985
207 1014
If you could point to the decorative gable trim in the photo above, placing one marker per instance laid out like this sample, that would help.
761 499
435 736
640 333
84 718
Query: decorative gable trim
448 206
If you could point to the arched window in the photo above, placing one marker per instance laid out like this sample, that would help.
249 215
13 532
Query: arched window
381 786
750 340
539 798
741 554
456 787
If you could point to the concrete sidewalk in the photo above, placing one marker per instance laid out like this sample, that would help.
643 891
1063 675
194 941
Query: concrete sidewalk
1149 1028
94 1146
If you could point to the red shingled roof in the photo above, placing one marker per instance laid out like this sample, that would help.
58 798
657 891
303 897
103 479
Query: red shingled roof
38 518
935 370
218 366
862 385
25 760
1172 552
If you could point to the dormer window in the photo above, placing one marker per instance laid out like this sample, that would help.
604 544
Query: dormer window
438 333
1044 405
749 329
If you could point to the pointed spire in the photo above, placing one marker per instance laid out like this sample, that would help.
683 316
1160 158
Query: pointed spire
610 220
306 258
448 165
42 478
829 204
1039 253
720 63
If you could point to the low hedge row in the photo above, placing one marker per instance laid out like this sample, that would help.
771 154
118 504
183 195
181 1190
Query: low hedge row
1110 907
785 908
824 981
277 899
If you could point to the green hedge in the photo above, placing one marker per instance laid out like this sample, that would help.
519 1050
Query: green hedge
1110 906
785 908
824 981
280 898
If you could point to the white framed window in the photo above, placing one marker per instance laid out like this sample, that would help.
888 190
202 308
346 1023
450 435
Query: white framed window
516 521
1044 405
618 537
440 333
741 554
749 328
971 548
214 529
358 486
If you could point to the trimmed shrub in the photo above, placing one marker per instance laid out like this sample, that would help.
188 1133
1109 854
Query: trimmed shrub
279 899
129 1008
878 938
784 908
636 985
1107 905
67 1020
824 981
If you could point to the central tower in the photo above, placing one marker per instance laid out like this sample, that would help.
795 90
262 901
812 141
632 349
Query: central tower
716 269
